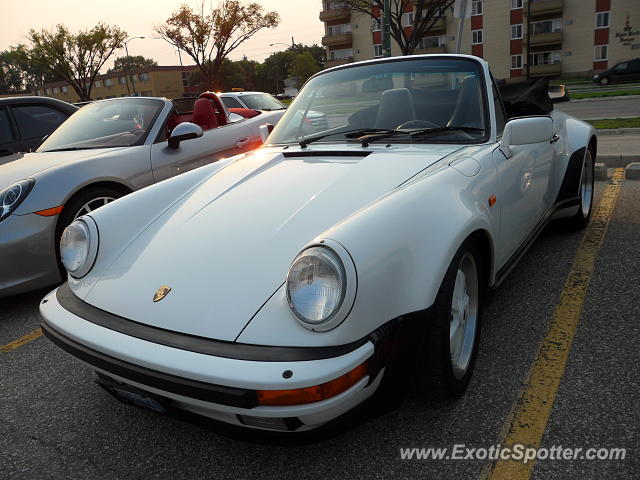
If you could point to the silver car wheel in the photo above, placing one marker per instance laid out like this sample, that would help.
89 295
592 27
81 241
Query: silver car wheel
464 315
93 204
586 184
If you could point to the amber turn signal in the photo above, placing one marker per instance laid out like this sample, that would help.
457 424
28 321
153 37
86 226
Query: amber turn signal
50 212
317 393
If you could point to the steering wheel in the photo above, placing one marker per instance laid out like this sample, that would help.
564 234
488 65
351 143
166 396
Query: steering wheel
417 124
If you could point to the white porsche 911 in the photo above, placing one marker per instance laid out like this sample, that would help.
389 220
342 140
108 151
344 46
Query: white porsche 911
274 290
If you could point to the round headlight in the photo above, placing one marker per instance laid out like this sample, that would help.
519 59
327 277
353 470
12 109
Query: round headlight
12 197
316 285
77 248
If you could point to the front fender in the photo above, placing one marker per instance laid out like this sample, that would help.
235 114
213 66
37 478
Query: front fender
401 246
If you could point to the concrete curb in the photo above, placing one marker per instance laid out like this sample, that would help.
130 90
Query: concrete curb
617 161
604 132
600 99
600 171
632 171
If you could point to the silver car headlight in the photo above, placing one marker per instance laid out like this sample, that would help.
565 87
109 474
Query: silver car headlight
12 197
79 246
321 286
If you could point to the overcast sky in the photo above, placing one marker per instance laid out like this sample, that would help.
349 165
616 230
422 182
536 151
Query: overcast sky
138 17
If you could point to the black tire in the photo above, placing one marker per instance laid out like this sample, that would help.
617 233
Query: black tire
434 373
71 210
582 216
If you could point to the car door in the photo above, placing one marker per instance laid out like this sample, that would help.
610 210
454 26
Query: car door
634 75
525 194
620 73
9 142
34 122
215 144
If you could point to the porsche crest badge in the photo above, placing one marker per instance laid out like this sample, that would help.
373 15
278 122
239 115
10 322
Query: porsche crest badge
161 293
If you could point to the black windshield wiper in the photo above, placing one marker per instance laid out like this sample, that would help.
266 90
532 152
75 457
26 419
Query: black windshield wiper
367 139
423 131
69 149
359 132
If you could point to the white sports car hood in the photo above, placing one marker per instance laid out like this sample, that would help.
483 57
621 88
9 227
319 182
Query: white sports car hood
226 247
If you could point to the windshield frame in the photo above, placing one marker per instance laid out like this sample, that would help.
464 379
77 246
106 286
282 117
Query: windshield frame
485 104
161 103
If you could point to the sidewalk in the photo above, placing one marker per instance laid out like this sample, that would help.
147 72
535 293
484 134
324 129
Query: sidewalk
618 150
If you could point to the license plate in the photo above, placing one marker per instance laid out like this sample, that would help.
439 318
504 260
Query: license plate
139 400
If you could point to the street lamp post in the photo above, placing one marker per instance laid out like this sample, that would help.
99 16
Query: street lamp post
126 74
286 45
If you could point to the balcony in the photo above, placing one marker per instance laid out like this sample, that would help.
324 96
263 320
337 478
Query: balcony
338 39
550 38
546 7
544 70
337 61
431 50
335 15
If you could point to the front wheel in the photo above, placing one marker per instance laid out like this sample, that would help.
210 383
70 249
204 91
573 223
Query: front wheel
581 218
446 355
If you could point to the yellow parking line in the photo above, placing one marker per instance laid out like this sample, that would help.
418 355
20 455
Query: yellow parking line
21 341
528 419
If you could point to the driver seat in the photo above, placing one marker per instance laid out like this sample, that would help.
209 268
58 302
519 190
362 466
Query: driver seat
204 115
468 109
396 107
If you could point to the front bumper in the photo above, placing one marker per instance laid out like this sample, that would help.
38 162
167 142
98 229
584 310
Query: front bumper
27 253
218 387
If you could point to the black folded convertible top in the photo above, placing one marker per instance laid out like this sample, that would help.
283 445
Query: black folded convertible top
529 97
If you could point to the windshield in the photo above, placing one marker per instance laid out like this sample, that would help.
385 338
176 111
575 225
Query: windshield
421 100
262 101
106 124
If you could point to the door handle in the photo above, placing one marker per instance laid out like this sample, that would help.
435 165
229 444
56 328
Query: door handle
554 139
243 142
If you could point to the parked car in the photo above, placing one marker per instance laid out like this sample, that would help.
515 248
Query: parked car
105 150
314 120
623 72
26 121
279 291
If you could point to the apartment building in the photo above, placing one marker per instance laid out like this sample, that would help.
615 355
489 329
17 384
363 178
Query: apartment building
572 38
161 81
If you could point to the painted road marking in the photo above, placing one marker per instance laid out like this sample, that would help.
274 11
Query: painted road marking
529 417
22 340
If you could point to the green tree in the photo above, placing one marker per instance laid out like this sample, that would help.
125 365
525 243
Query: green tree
19 74
75 57
304 65
427 13
122 64
209 35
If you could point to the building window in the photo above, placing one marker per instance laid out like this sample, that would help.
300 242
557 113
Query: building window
516 31
546 58
476 7
546 26
46 91
144 77
433 42
342 54
185 79
339 29
516 62
108 82
122 80
98 84
55 90
601 52
476 37
515 4
602 20
377 50
376 24
64 89
407 19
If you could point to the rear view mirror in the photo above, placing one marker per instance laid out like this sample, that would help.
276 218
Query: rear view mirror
526 131
184 131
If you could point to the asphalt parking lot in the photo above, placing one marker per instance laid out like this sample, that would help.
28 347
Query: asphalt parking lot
57 423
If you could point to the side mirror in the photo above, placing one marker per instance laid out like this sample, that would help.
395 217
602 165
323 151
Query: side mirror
526 131
265 130
182 132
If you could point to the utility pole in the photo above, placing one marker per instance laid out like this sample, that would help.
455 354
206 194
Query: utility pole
463 12
126 75
386 29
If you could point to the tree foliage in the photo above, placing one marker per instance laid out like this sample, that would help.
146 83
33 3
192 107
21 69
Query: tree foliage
131 62
19 74
75 57
427 13
209 35
304 65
